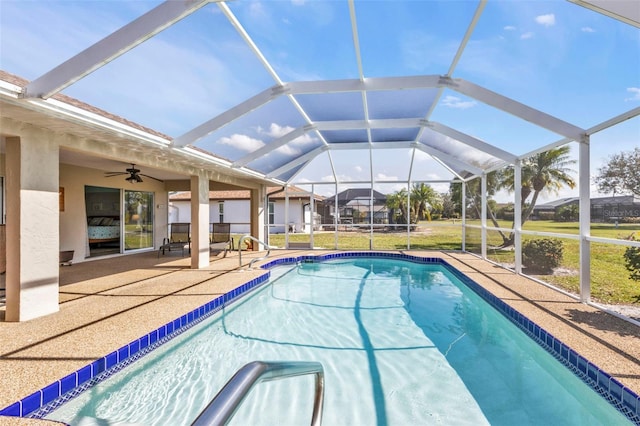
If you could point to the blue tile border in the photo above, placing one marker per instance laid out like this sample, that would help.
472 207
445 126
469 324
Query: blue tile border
46 400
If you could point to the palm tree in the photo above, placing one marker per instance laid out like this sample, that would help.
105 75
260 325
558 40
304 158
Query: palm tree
424 198
393 203
549 170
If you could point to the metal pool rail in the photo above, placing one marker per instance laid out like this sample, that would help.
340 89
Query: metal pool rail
249 237
226 402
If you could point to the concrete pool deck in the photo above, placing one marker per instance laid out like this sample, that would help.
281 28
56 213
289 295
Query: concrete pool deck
107 303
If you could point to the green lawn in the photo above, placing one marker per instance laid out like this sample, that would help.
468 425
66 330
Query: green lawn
610 282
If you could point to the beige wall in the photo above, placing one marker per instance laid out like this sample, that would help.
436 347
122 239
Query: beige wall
73 230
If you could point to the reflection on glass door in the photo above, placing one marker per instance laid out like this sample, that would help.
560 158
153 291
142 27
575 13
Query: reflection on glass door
103 220
138 220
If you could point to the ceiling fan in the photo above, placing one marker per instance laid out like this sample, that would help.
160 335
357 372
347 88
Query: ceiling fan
134 174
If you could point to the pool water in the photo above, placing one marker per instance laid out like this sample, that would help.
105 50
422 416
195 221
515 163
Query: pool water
401 343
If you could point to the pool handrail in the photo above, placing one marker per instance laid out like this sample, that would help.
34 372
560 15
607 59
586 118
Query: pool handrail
226 402
257 259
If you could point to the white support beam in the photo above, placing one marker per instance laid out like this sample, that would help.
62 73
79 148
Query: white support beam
467 36
254 48
226 117
356 40
463 191
515 108
273 145
448 159
111 47
625 11
546 148
355 85
615 120
517 216
584 190
471 141
483 219
393 123
297 162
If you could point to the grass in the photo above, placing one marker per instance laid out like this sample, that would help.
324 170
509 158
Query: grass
610 281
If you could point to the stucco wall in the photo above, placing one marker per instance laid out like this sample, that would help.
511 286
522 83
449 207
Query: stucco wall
73 223
237 213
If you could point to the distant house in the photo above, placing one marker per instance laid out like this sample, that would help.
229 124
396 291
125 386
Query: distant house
354 206
233 207
603 209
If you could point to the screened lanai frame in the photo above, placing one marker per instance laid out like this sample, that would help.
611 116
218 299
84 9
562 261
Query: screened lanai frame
369 129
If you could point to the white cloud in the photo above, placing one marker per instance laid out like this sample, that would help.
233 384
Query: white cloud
358 169
526 36
242 142
456 102
635 91
548 20
509 28
276 130
257 11
587 30
382 176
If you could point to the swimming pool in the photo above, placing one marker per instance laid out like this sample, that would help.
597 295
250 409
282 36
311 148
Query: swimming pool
448 366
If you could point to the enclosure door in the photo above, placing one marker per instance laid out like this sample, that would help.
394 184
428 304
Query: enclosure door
138 220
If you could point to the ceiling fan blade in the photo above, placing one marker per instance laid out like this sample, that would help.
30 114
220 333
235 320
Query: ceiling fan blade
151 177
111 174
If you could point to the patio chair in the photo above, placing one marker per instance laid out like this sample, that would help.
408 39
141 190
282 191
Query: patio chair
220 237
179 238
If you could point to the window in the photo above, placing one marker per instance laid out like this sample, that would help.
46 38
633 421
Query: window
272 214
221 211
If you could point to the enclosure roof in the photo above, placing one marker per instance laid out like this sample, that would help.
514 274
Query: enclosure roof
339 92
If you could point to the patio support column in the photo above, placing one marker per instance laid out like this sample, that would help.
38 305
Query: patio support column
257 215
517 215
371 214
584 184
336 218
312 207
463 192
286 217
408 218
33 236
483 219
199 222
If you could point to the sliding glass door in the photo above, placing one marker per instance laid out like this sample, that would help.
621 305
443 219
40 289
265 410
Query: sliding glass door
138 220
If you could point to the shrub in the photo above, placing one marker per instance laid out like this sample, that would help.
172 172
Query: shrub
630 219
542 255
546 215
570 213
632 262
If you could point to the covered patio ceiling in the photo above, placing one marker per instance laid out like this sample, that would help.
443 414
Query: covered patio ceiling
433 97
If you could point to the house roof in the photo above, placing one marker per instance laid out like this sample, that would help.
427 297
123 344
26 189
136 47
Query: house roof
351 195
596 201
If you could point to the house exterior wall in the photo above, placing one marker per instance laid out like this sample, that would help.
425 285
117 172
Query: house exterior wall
73 220
237 213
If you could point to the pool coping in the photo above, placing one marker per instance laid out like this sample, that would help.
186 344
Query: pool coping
42 402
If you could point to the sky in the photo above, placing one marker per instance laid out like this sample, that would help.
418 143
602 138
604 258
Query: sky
562 59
